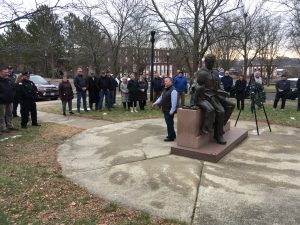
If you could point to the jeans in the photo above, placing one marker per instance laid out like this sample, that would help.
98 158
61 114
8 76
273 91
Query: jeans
170 125
81 94
64 105
106 94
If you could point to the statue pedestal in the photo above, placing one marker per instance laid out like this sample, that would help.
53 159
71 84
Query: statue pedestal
190 143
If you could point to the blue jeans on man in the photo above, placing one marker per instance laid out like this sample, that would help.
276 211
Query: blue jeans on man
81 94
104 93
170 125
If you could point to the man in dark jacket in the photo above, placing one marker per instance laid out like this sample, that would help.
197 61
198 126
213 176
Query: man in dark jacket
12 77
6 99
227 82
81 85
157 85
104 85
282 88
27 92
168 102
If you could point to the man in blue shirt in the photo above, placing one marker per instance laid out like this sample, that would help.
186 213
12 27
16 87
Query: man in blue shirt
282 88
168 101
180 84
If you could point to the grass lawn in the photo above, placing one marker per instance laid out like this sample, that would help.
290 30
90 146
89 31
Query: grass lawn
33 190
117 114
288 117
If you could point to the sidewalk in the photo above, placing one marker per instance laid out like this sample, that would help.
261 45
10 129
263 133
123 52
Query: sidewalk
128 163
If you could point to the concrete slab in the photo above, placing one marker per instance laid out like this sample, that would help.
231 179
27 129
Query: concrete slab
74 121
164 186
258 183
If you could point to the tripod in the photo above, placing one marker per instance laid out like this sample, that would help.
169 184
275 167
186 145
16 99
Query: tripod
252 95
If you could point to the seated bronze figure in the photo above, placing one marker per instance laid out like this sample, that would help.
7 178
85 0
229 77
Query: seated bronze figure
212 100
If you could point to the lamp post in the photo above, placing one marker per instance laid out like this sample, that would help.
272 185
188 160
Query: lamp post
152 33
46 63
168 55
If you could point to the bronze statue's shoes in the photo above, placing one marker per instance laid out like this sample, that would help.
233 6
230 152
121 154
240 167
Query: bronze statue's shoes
204 132
221 140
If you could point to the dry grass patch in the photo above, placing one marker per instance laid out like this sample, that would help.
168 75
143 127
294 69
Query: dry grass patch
33 190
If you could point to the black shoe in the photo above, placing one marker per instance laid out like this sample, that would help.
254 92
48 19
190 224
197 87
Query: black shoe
64 113
15 115
24 127
13 129
36 125
71 113
220 140
109 109
169 139
5 131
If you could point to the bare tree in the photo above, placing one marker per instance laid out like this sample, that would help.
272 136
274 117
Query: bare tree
225 47
190 23
270 38
85 40
12 12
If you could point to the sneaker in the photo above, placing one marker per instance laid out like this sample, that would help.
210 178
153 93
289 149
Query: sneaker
131 110
282 109
135 110
274 109
36 124
71 113
24 127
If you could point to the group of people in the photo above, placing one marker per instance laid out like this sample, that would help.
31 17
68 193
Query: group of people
13 91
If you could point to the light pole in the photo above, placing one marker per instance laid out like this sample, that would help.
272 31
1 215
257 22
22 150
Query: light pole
168 55
152 33
46 64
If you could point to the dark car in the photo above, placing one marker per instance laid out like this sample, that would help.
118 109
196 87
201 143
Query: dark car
46 90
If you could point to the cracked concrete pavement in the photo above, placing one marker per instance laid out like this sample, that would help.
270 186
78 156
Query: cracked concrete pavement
128 163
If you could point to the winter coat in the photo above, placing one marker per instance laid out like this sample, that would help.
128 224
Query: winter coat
157 84
133 87
27 91
180 84
65 90
143 87
6 91
80 82
93 89
227 82
104 83
124 92
240 89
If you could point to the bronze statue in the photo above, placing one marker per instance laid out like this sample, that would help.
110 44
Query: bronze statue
210 97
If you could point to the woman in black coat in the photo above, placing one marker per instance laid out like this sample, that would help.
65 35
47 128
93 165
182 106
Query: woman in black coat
240 92
93 91
142 94
133 88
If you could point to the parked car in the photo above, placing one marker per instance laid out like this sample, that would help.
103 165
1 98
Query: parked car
293 92
46 90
